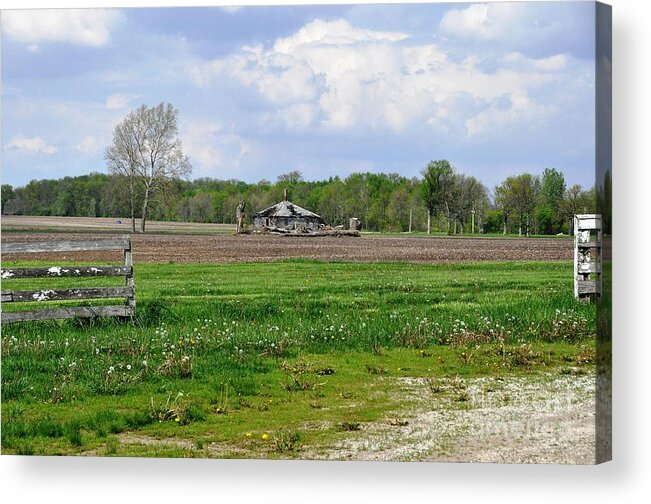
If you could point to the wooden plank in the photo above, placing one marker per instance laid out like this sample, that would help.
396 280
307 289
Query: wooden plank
65 246
64 313
29 296
588 221
66 271
589 287
589 268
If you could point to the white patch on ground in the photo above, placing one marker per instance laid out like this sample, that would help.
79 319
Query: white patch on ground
549 419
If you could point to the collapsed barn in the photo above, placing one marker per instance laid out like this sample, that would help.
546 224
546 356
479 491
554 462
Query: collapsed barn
287 215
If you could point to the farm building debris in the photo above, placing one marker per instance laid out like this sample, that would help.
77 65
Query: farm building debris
302 231
288 219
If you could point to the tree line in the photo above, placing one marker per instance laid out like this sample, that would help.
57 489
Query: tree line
442 200
147 178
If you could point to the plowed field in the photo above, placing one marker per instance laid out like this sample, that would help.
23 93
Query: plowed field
157 248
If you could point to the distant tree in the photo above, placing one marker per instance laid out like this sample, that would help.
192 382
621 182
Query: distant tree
115 197
517 196
201 208
291 177
8 194
147 150
398 211
493 221
437 189
468 195
576 201
552 190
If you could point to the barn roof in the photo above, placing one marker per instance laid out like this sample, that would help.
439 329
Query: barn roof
286 209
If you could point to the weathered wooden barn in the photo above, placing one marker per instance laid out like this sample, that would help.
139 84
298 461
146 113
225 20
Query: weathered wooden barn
287 215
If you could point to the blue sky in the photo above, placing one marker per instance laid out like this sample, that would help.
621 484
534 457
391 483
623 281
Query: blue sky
497 89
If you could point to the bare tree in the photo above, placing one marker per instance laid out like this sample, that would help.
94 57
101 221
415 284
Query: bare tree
146 148
121 159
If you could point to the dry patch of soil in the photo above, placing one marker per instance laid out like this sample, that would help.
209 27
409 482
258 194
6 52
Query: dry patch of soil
549 419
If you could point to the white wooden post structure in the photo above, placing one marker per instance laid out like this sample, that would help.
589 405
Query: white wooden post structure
587 256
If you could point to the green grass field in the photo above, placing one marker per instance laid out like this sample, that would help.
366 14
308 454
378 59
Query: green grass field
278 359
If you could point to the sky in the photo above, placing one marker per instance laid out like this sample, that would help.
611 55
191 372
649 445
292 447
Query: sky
497 89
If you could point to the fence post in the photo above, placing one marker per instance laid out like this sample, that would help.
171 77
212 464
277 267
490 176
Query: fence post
587 256
129 283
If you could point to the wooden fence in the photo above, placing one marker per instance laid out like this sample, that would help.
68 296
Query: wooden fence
39 296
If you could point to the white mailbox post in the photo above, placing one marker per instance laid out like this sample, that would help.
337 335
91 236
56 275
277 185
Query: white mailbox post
587 256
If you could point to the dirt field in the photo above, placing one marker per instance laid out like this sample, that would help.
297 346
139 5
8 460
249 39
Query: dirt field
158 248
106 224
183 242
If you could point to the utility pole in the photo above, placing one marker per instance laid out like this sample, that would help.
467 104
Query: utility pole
410 212
473 220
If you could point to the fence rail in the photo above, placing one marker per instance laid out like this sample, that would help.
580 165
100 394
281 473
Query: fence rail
56 294
65 246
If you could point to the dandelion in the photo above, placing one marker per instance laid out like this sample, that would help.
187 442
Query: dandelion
248 434
177 419
265 436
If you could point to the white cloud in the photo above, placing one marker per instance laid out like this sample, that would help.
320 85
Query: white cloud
481 21
328 33
332 76
521 110
213 152
91 27
551 64
555 63
33 144
119 101
91 144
